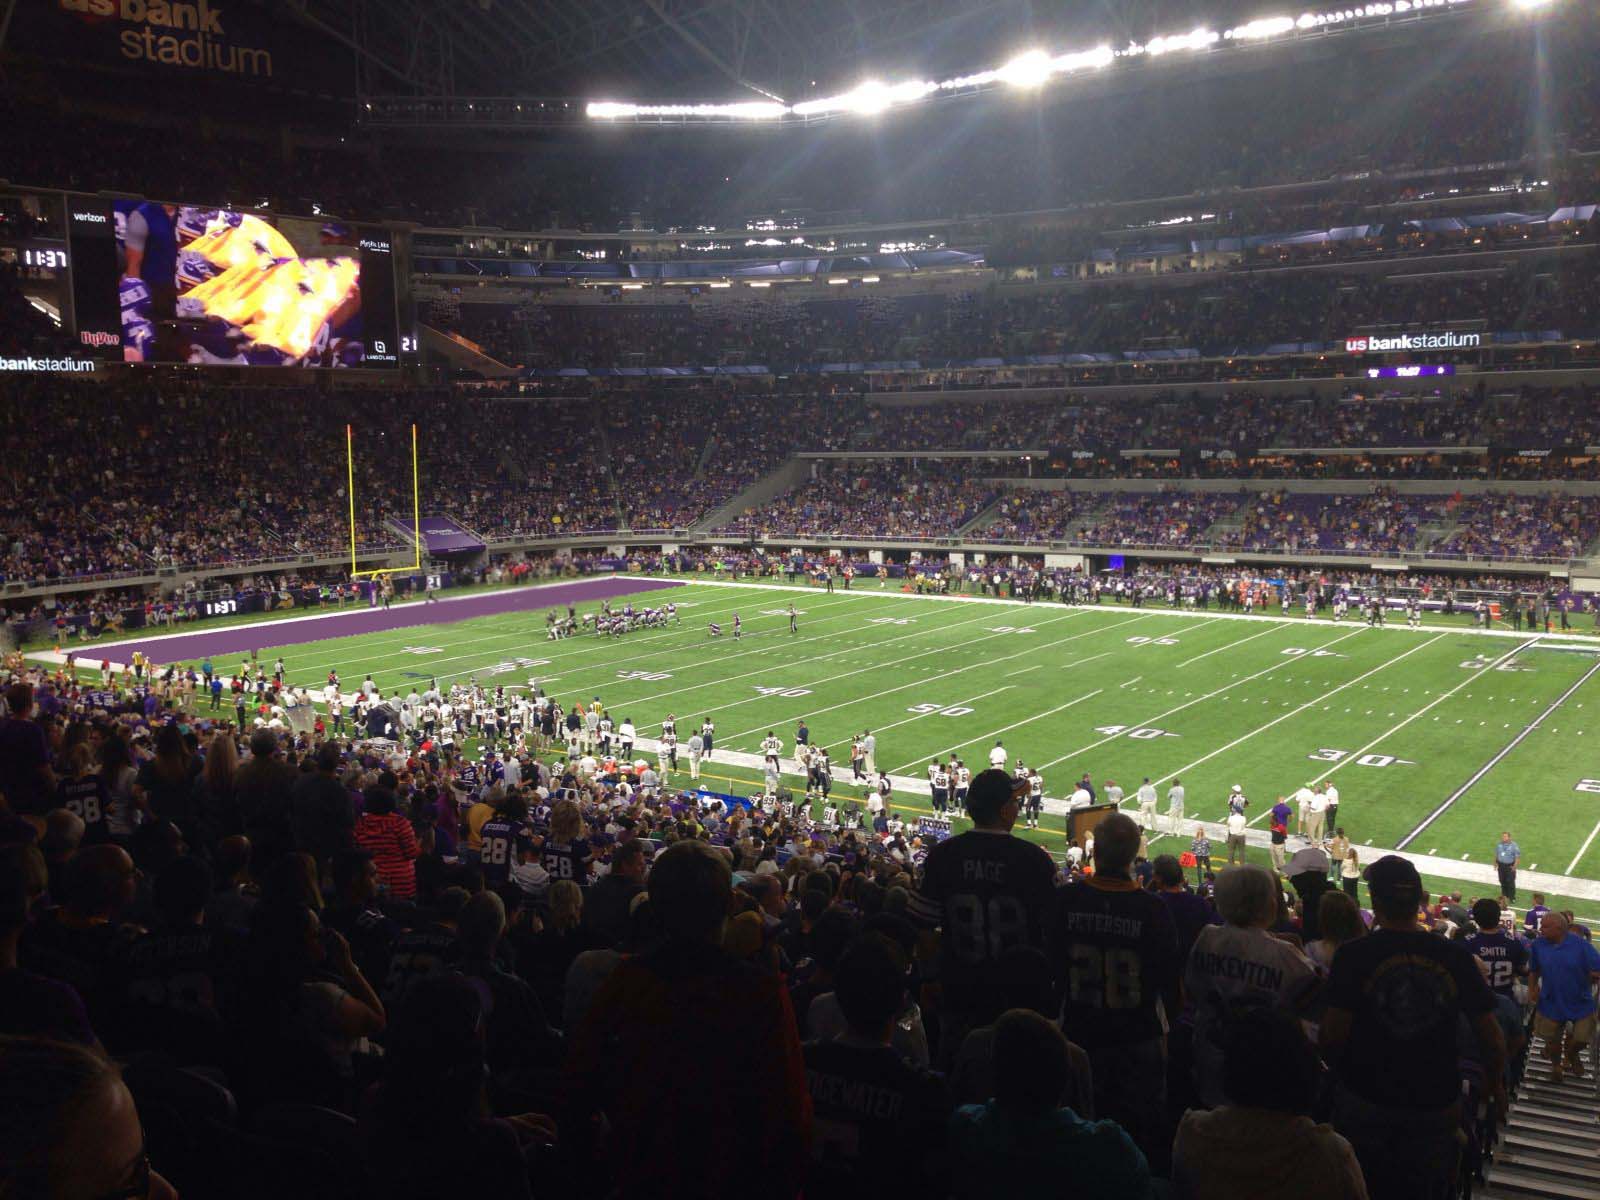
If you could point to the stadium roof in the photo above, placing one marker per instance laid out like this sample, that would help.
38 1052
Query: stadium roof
683 49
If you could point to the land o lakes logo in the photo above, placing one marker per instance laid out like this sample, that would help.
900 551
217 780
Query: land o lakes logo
177 35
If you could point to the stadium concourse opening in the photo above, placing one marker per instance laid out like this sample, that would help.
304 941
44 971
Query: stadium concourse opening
553 647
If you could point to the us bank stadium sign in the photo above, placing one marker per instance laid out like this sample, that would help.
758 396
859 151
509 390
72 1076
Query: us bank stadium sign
48 365
1425 340
177 34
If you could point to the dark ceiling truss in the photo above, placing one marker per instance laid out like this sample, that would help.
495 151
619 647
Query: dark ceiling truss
668 48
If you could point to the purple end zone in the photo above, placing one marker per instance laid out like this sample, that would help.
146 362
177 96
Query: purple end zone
290 631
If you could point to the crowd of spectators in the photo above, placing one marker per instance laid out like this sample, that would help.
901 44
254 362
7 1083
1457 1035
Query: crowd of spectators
248 963
1506 525
1378 522
1035 515
261 476
1163 519
1231 315
892 498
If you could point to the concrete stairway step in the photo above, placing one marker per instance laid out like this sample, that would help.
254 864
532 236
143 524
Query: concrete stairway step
1509 1181
1573 1163
1553 1143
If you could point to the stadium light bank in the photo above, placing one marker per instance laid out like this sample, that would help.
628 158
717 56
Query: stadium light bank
1035 68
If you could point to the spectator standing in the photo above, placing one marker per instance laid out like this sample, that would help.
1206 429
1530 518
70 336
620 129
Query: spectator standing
26 780
985 891
661 1091
1190 912
1504 956
606 909
1561 968
434 1096
1338 921
1115 954
868 1100
1239 968
1201 849
30 1003
391 841
1262 1144
320 812
1278 827
1024 1143
1237 824
261 788
1350 874
1507 854
1395 999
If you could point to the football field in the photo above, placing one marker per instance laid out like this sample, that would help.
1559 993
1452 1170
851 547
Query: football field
1437 738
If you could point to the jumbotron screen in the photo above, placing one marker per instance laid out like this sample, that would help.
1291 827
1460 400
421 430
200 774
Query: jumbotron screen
172 283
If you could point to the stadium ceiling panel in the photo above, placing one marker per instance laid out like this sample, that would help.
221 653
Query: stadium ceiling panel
694 48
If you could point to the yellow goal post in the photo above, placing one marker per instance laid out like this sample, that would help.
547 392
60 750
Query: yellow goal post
416 508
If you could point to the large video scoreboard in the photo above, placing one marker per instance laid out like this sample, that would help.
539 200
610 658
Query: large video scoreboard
142 281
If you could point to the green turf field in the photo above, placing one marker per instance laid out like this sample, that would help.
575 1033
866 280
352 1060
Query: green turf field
1437 738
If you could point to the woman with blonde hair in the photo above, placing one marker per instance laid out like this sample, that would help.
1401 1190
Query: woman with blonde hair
566 906
545 958
1350 874
219 810
566 852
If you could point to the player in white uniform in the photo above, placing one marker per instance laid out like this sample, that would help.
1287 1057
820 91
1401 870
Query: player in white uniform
1175 798
997 757
1035 796
771 747
963 781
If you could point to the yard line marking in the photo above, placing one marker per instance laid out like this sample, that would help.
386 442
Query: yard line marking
1497 759
983 737
1024 670
1131 682
1033 649
1197 700
1426 708
1387 663
877 666
1230 645
918 716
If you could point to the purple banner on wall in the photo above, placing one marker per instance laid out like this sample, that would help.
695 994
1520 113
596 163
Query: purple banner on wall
441 535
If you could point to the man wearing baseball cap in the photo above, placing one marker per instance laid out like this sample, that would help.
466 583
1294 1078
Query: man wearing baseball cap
986 891
1395 1000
